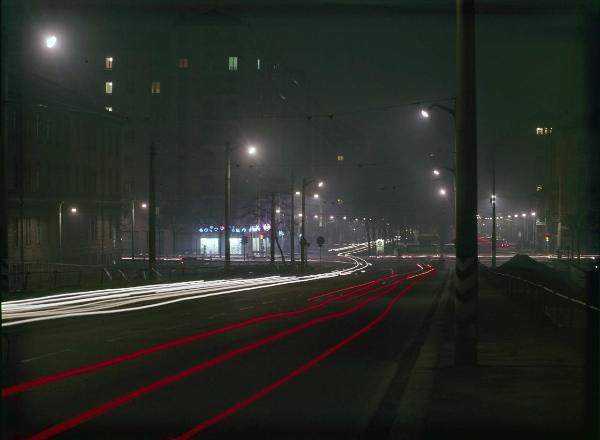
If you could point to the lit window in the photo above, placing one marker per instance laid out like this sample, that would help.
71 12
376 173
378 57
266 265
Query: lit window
108 63
233 63
340 157
183 63
155 88
258 64
108 87
108 109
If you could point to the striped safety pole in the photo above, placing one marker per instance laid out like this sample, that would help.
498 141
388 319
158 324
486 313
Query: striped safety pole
466 282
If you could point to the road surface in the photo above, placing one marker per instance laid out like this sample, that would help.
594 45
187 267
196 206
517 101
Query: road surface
326 358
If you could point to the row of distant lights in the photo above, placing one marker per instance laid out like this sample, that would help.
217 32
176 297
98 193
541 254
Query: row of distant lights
523 215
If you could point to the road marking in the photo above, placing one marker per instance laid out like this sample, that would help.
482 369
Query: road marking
246 308
216 316
25 361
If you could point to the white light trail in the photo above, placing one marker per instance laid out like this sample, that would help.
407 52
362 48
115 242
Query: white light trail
110 301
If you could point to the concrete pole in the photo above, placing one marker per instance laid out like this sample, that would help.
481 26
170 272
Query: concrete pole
292 221
3 165
493 201
466 282
132 231
152 213
227 205
60 253
302 227
273 231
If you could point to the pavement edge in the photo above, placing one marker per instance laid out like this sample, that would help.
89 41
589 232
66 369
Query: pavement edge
412 409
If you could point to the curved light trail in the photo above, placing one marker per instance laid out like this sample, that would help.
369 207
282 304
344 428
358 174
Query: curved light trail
109 301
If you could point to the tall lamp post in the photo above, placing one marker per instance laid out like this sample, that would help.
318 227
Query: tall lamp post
143 205
303 241
493 202
60 209
228 150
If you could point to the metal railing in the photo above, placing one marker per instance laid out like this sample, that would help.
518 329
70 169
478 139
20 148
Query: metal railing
563 310
75 277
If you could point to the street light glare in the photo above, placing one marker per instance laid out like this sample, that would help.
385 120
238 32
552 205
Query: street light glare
73 210
297 193
144 205
442 192
321 184
424 113
252 150
316 196
436 172
51 41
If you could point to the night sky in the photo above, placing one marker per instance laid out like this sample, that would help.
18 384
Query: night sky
360 70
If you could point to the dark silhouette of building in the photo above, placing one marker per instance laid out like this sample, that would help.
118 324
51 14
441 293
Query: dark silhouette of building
63 177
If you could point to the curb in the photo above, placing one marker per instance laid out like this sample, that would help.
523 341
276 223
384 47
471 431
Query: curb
411 413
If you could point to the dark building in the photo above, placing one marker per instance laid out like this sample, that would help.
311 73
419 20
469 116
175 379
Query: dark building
63 177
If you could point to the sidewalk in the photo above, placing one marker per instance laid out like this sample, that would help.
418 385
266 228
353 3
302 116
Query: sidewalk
529 382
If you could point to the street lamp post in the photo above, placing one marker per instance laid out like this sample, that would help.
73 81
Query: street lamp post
465 160
292 221
143 205
303 242
60 253
228 150
60 208
493 202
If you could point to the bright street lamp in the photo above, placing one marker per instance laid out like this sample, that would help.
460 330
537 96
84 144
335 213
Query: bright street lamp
251 150
424 113
320 184
74 210
51 41
436 172
316 196
442 192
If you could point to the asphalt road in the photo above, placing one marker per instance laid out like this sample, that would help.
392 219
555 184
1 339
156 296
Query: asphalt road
335 368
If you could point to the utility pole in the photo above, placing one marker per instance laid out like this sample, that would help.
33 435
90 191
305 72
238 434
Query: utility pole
152 213
368 237
273 231
493 202
227 205
302 227
132 230
466 280
292 221
3 156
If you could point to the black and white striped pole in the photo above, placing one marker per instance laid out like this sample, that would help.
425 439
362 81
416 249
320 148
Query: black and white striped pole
466 282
